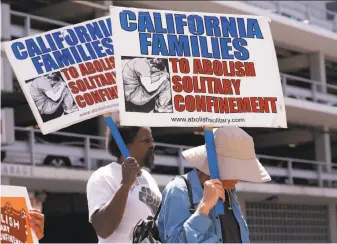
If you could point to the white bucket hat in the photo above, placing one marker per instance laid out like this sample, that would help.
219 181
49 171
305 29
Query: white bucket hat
236 156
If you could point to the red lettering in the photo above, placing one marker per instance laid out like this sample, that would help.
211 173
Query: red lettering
112 61
80 84
187 84
243 104
184 66
250 69
83 70
177 86
174 62
197 67
98 65
240 71
90 68
254 104
232 104
208 70
217 68
273 104
190 103
73 87
113 92
178 99
200 103
88 99
79 100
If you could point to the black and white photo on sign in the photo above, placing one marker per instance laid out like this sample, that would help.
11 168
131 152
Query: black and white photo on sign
51 95
147 86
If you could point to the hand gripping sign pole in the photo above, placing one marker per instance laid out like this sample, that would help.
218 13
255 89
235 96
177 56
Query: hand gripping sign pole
117 136
213 163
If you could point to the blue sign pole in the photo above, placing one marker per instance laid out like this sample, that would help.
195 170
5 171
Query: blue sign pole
117 136
213 163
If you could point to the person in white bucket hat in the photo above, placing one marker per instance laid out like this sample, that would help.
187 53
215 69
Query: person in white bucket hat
178 223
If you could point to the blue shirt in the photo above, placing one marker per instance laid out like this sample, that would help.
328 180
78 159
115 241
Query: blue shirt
177 225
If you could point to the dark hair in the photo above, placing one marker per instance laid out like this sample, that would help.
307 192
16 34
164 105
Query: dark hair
128 134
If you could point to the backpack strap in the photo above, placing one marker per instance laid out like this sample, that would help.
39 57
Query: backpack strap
189 190
157 213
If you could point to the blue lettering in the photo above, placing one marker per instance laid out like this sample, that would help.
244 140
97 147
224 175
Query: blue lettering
195 46
180 23
42 45
144 43
197 28
178 45
99 49
32 48
91 50
82 34
225 48
76 54
145 23
204 47
241 27
51 42
106 27
18 50
38 65
58 37
95 31
228 26
49 63
83 54
158 23
159 45
71 39
253 29
125 17
170 23
242 53
212 26
107 43
63 58
215 47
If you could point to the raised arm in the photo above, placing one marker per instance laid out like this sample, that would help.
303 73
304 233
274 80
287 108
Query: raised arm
107 202
55 93
150 81
153 82
177 225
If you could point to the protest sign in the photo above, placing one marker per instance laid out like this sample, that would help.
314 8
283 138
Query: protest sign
67 75
15 226
196 69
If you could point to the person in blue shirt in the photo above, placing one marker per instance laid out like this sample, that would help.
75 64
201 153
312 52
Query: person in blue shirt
236 162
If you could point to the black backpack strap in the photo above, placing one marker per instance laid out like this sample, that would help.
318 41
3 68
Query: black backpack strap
157 213
189 190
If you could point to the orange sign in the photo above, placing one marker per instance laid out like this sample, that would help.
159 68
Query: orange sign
14 225
14 221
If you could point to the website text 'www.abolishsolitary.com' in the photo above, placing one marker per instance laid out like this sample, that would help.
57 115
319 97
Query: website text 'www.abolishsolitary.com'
208 120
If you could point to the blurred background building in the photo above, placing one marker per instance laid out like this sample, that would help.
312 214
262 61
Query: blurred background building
299 205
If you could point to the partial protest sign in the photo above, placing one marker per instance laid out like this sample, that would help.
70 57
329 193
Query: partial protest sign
196 69
67 74
15 226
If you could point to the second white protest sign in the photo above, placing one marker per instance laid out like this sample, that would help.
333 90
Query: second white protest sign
67 75
196 69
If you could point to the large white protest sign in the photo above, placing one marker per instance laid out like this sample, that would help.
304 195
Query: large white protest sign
68 74
196 69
